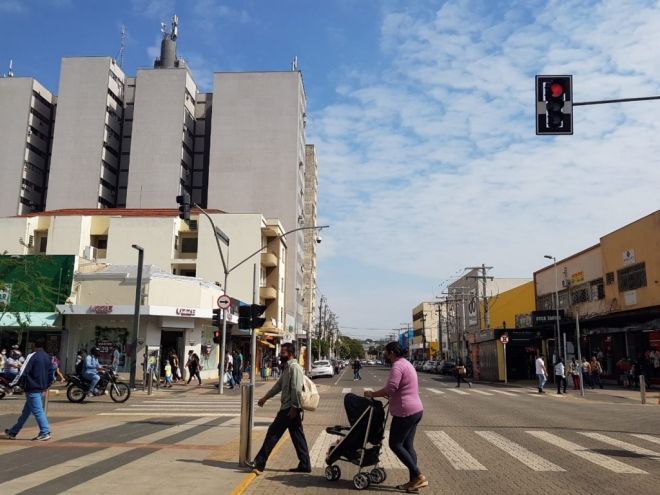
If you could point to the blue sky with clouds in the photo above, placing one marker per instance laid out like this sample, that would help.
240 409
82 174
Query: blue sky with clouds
423 117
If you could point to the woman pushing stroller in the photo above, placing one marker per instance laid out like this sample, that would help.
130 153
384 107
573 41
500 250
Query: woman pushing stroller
406 409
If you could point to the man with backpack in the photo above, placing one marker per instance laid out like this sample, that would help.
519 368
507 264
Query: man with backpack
289 417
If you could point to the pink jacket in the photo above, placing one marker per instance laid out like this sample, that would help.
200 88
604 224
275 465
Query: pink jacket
403 389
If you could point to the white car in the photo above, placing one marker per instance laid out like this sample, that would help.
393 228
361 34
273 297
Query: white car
322 368
428 366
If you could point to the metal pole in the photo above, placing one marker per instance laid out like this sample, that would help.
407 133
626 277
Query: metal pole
253 351
223 348
642 388
136 314
579 351
463 331
558 341
506 378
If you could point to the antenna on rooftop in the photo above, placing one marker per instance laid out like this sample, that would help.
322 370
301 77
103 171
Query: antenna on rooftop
11 72
122 46
294 64
175 28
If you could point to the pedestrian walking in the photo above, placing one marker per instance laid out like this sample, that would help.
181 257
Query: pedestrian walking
168 374
560 375
357 365
289 417
541 373
115 358
275 368
574 370
596 370
461 373
193 367
406 409
55 367
34 378
176 369
238 367
586 373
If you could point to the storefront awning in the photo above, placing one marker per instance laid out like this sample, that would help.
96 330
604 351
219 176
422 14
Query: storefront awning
33 320
267 344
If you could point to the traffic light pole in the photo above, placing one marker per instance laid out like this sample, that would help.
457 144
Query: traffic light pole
621 100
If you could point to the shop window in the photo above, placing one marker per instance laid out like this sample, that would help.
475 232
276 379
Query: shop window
609 278
632 277
597 289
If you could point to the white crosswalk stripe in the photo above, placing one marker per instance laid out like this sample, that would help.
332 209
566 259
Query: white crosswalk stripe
368 389
621 444
518 452
481 392
435 390
585 453
205 407
460 392
345 390
504 392
648 438
457 456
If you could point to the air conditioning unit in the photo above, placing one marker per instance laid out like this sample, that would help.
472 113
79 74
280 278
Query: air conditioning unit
89 253
566 283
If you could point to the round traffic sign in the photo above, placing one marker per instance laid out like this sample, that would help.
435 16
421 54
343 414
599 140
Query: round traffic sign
224 301
504 339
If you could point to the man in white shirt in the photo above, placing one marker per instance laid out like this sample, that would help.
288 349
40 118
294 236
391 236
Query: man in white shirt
560 375
541 374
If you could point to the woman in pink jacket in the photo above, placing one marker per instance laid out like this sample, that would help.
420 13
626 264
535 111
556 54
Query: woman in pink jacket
406 409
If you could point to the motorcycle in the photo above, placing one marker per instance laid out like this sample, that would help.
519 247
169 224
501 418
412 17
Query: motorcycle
78 387
5 389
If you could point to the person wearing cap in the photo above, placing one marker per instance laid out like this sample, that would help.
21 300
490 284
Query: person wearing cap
91 369
13 363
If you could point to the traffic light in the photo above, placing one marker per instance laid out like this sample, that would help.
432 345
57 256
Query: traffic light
216 337
250 316
215 319
554 105
184 206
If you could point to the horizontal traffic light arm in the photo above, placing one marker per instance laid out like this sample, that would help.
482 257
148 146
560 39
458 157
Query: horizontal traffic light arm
620 100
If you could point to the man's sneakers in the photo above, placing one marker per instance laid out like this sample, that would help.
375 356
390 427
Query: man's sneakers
258 470
42 437
10 435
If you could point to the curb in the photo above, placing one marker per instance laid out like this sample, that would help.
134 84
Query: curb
250 477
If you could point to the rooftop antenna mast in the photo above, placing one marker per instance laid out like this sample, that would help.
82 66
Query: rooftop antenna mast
122 46
294 64
11 72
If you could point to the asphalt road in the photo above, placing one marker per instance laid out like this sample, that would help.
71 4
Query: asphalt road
487 439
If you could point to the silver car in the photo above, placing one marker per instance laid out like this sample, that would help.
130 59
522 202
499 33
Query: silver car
322 368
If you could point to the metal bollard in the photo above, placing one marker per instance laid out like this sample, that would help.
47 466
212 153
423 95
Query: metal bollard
245 444
149 380
642 388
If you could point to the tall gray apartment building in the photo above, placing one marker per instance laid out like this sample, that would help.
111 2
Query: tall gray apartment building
138 141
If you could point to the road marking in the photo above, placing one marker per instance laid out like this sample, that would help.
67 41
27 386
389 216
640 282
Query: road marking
323 442
45 475
166 414
648 438
480 392
345 390
518 452
458 457
456 391
621 444
435 390
368 389
503 392
340 375
586 454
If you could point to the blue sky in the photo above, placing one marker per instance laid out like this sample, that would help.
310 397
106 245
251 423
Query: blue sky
422 113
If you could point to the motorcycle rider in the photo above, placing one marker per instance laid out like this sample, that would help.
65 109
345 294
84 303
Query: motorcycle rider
13 363
91 369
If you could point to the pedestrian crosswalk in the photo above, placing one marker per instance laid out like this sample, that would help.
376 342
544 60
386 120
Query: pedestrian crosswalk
534 450
206 407
450 390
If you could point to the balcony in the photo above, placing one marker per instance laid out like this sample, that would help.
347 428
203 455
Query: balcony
268 293
268 260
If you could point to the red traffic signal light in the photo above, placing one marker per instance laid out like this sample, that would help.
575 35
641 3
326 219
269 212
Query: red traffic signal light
217 338
554 105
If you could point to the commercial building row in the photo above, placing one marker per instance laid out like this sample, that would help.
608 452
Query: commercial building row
609 292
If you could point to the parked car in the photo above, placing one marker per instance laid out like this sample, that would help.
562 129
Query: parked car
428 366
322 368
438 367
448 368
371 362
419 365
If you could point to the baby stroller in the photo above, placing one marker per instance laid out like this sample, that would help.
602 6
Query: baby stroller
361 442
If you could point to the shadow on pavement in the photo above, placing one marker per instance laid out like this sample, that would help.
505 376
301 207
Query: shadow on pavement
312 481
228 465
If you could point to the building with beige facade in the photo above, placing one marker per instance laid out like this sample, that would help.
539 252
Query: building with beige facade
308 300
102 240
426 324
27 113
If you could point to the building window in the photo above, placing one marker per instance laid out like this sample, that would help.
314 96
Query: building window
187 273
609 278
43 243
597 289
632 277
189 245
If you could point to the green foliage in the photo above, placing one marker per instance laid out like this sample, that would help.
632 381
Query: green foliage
351 348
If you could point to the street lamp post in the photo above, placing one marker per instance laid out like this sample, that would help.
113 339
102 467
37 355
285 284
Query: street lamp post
136 314
557 331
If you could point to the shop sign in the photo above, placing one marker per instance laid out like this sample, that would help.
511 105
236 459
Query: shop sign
577 277
546 316
185 311
100 309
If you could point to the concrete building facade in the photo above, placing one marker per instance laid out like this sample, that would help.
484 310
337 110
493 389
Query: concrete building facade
311 238
27 113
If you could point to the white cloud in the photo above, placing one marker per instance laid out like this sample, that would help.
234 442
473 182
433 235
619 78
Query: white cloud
12 6
432 164
161 10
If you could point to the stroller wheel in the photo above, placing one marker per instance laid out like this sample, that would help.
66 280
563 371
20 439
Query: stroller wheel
361 481
377 476
332 473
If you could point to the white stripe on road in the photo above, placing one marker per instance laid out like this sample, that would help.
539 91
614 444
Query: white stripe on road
481 392
518 452
456 391
621 444
368 389
168 414
458 457
435 390
586 454
37 478
648 438
346 391
323 442
503 392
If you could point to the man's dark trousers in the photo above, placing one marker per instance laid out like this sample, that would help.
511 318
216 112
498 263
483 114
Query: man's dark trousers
280 424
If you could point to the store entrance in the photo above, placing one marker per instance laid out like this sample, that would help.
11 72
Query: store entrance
171 342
